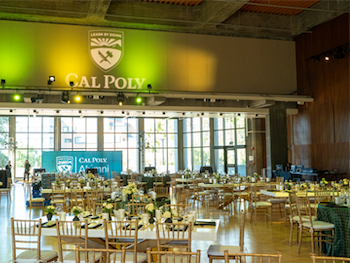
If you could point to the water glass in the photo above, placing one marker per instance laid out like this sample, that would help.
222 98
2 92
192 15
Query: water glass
122 214
158 215
145 219
62 216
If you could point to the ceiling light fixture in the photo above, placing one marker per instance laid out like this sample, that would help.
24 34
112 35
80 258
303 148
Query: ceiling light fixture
120 98
16 97
65 97
138 99
326 58
77 98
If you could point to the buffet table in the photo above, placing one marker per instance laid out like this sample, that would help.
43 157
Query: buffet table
340 217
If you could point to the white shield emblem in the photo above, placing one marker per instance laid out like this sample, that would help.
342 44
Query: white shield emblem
64 163
106 48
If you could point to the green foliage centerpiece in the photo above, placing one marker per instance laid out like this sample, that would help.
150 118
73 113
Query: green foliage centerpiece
50 209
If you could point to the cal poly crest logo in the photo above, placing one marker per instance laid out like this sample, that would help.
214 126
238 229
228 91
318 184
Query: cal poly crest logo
106 48
64 163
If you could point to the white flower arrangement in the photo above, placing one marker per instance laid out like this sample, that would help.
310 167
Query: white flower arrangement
188 170
76 210
217 176
187 175
106 182
130 189
256 175
128 171
154 171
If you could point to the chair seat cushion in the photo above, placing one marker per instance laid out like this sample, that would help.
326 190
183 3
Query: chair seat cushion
261 204
178 259
29 256
38 199
129 257
304 218
313 205
70 257
276 201
218 250
319 225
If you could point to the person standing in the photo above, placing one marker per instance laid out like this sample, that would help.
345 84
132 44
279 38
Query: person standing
8 168
26 171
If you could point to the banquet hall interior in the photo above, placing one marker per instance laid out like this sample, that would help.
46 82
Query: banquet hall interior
225 120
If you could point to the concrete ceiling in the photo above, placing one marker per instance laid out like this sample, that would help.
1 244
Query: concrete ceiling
266 19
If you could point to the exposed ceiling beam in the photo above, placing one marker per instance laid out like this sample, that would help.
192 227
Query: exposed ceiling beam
219 11
98 9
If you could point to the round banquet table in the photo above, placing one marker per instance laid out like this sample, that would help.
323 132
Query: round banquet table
340 217
148 179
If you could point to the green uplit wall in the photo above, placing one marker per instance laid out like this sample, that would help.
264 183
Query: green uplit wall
30 52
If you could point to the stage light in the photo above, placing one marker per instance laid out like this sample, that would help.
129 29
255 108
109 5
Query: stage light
52 78
16 97
120 99
138 99
326 58
71 83
77 98
3 82
65 97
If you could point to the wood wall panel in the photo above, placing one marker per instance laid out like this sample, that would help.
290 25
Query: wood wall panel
321 130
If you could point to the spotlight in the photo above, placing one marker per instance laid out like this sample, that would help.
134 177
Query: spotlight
221 114
80 111
16 97
57 111
71 83
101 97
34 111
49 82
138 99
238 114
90 96
326 58
183 113
122 112
339 54
77 98
101 111
52 78
3 82
143 113
163 113
256 115
120 98
149 86
11 110
202 113
65 97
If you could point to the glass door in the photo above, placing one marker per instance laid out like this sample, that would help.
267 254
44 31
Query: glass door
230 164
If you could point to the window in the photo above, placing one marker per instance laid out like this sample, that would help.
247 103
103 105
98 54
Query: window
161 144
79 134
4 141
33 135
229 144
196 143
122 134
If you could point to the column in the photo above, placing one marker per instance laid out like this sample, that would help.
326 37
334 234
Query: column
276 139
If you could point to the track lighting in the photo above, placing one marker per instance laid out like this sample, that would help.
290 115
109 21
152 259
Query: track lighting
120 98
65 97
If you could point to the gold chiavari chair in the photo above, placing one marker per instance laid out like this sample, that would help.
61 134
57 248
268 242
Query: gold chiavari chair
325 259
7 191
161 191
315 229
199 194
59 197
143 199
217 251
174 235
76 198
124 234
135 209
100 255
173 256
252 258
227 197
183 197
69 235
26 235
259 206
158 181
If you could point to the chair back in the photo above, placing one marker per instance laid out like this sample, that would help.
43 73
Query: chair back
135 209
26 235
122 233
161 191
293 211
241 231
322 195
303 207
173 256
100 255
177 209
167 232
142 199
252 257
71 233
76 198
325 259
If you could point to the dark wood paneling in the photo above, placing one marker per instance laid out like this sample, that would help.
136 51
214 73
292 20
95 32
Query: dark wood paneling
322 128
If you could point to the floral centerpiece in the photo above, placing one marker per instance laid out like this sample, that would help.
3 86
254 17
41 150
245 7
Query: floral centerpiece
217 176
167 215
256 175
344 182
248 178
130 189
50 209
323 182
128 171
187 175
304 186
76 210
241 179
106 183
153 171
90 176
68 183
81 181
57 182
151 208
108 208
288 185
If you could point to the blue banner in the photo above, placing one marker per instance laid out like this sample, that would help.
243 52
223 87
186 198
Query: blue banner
76 162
